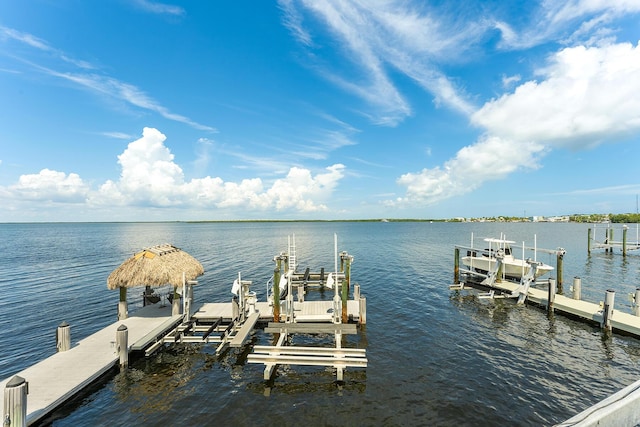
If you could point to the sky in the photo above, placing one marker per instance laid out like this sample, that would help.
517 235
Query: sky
141 110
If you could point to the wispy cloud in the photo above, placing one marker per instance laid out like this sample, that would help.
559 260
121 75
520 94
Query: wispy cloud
104 85
159 8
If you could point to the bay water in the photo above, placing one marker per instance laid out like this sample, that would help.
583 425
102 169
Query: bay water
436 357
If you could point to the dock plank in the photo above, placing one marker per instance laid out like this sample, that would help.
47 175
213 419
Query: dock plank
57 378
239 339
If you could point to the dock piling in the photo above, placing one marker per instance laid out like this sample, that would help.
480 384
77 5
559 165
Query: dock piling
123 311
624 240
636 303
15 402
607 312
63 337
456 266
576 290
122 337
363 310
551 295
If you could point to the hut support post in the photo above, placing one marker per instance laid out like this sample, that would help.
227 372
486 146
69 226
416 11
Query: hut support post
15 402
175 303
122 337
576 290
607 312
123 311
63 337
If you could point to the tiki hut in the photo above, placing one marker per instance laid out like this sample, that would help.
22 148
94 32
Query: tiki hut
152 267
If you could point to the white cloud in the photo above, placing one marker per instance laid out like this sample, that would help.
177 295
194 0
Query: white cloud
50 185
584 98
383 36
150 177
159 8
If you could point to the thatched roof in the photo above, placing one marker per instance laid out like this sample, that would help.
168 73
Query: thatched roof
156 266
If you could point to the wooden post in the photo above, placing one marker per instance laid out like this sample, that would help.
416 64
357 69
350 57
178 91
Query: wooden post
363 310
276 292
175 303
301 292
356 292
624 240
636 303
589 242
123 311
610 240
63 337
607 312
346 285
456 266
551 295
122 337
15 402
577 288
560 269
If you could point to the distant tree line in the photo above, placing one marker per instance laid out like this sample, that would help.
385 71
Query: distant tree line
627 218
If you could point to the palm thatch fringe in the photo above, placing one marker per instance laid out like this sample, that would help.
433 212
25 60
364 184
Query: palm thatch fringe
156 266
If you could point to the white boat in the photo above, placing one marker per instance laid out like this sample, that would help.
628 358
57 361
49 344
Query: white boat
484 260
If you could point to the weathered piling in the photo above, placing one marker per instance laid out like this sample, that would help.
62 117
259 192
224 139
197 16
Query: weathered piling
363 310
636 303
589 241
63 337
560 268
175 302
607 311
122 337
551 295
576 290
15 402
456 266
345 264
276 290
624 240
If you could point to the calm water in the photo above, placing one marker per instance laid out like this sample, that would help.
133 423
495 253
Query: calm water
436 357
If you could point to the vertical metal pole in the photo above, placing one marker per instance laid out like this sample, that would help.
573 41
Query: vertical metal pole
577 288
123 311
551 295
15 402
607 312
122 337
63 337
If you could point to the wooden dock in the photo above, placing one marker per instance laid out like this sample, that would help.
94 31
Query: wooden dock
54 380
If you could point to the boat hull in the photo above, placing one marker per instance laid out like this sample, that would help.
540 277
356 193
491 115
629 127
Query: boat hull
512 268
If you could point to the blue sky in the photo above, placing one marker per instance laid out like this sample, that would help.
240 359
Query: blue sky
130 110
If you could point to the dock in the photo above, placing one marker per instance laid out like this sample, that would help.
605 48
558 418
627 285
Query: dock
35 392
54 380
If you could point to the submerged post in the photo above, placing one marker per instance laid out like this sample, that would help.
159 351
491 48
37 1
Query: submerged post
122 336
63 337
15 402
551 295
456 266
123 312
577 288
607 312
